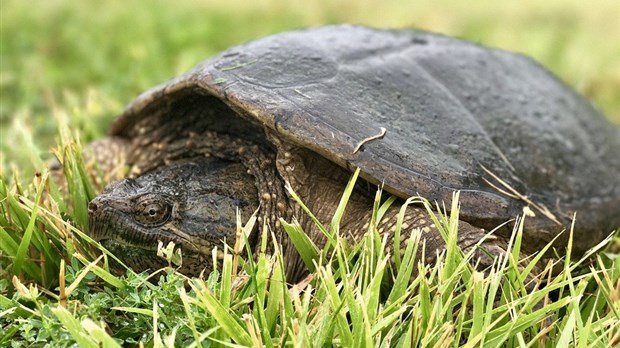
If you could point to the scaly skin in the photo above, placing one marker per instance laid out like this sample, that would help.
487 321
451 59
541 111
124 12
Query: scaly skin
192 202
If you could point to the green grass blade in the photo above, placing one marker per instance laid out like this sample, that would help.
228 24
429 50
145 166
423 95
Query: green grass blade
308 251
24 245
74 327
342 205
224 318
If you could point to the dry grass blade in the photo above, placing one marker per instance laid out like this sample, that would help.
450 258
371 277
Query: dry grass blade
512 192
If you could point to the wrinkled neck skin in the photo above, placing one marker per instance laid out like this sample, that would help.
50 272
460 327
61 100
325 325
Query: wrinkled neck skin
320 184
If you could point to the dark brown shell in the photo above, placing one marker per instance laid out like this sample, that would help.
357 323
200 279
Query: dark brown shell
451 109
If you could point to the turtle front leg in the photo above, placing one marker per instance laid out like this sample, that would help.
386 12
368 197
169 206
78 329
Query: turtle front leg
320 183
486 248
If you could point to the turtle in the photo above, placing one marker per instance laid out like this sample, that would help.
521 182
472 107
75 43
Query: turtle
418 113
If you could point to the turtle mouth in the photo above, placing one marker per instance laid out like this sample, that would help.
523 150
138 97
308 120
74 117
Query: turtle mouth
110 220
136 246
118 233
112 244
107 224
113 229
136 258
141 259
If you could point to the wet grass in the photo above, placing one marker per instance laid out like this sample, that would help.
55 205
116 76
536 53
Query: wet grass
55 290
68 68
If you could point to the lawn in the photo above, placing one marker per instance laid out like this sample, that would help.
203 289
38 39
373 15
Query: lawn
68 68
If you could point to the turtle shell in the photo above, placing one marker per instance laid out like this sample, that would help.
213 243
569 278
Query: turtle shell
492 124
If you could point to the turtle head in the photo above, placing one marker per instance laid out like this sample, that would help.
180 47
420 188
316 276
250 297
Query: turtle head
192 204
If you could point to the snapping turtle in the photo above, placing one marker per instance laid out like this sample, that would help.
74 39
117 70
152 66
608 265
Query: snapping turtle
418 112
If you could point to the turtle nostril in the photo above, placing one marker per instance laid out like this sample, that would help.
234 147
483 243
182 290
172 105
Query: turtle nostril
92 207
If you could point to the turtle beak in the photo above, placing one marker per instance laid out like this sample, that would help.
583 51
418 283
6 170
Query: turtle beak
96 220
101 212
97 205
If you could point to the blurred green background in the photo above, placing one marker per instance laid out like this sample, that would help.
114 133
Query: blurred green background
87 59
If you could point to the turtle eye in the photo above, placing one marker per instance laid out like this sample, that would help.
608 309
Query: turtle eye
152 211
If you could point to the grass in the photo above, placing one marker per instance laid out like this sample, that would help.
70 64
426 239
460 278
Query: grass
68 68
54 290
